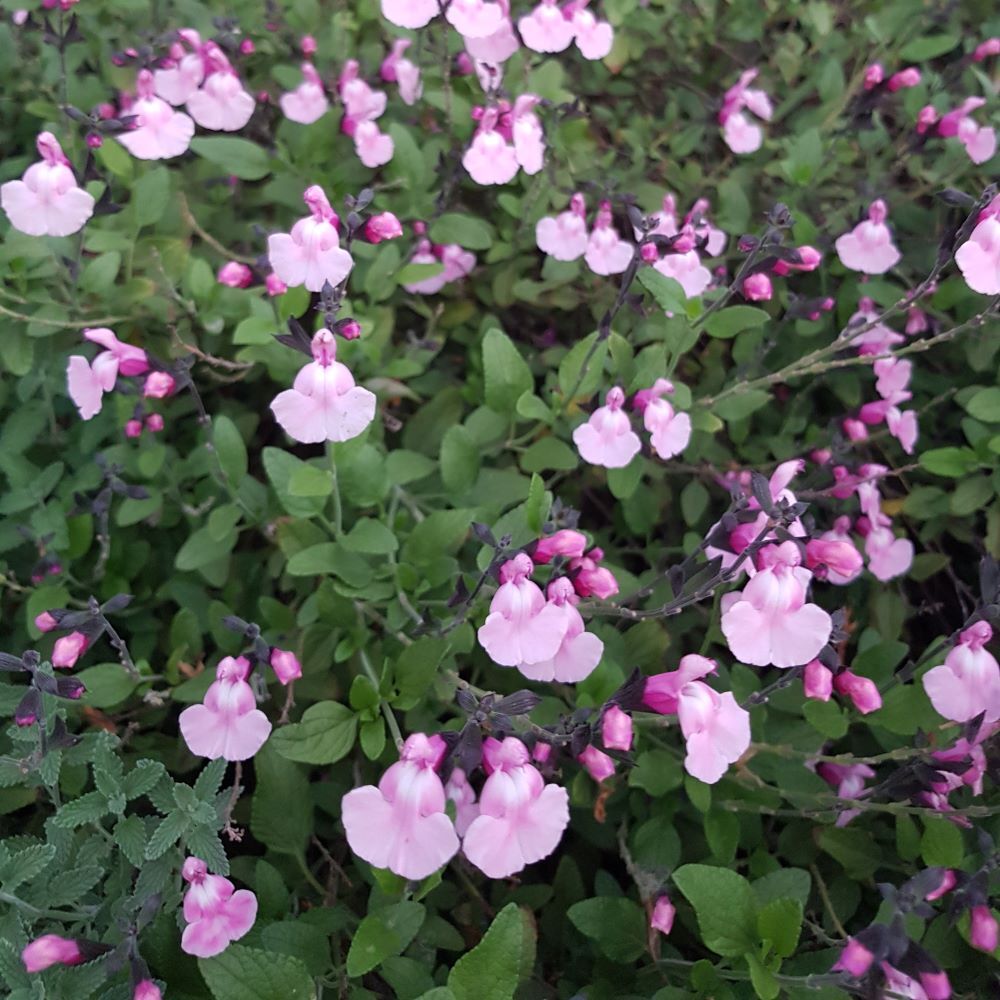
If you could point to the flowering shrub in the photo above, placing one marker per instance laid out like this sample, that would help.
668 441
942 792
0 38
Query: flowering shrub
561 560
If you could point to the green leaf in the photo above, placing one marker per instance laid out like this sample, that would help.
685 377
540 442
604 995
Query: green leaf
780 923
506 373
280 467
941 843
231 450
724 906
325 734
493 969
130 836
549 453
281 811
614 923
85 809
107 685
764 984
790 883
151 195
438 534
985 405
928 47
310 481
371 537
572 365
667 292
382 934
536 507
466 230
727 323
951 462
460 459
242 973
169 831
415 669
739 407
236 156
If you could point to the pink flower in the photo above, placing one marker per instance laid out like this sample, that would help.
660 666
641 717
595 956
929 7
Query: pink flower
878 337
670 431
228 724
862 691
983 930
968 682
216 912
579 652
308 102
396 68
177 82
741 135
233 274
374 147
221 104
47 201
45 622
660 692
809 259
324 403
739 132
817 681
948 882
522 628
616 729
855 959
991 47
311 255
490 159
566 542
607 438
979 257
590 579
529 139
597 764
49 950
491 51
545 29
663 915
384 226
410 13
874 75
521 819
980 141
154 422
758 288
458 789
415 836
69 649
769 622
926 117
474 18
274 285
903 427
888 556
361 102
158 385
146 989
607 252
687 270
160 132
868 247
936 985
307 45
905 78
133 428
836 558
716 729
593 38
285 665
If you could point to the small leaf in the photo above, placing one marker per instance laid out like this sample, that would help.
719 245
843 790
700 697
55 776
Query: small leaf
724 906
325 735
242 973
238 157
382 934
493 969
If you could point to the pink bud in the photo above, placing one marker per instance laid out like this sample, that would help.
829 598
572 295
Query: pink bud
991 47
904 78
106 111
936 985
926 118
308 45
948 881
247 47
349 329
855 959
69 649
133 428
821 456
598 765
541 752
616 729
464 66
758 288
19 17
566 542
663 915
49 950
855 429
158 385
382 227
263 97
861 690
809 258
286 665
649 253
685 241
154 422
983 929
235 275
45 622
94 140
874 75
147 990
817 681
274 285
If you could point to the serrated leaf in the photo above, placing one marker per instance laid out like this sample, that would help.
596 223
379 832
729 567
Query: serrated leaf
25 864
87 808
493 969
170 829
724 906
242 973
142 778
780 923
130 836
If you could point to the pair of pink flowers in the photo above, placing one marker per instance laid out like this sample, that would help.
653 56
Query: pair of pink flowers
549 28
324 403
892 384
588 577
518 820
205 82
454 263
506 140
888 556
716 730
545 639
740 132
607 438
868 247
362 107
47 201
566 237
980 141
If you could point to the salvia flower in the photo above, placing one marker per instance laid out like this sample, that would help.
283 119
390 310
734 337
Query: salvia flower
522 628
593 38
770 622
670 430
307 103
607 438
475 18
159 132
546 29
566 542
228 724
324 403
414 837
233 274
458 789
968 682
980 141
868 247
979 257
49 950
742 134
607 253
817 681
158 385
220 103
580 651
983 929
384 226
855 959
68 649
833 556
991 47
455 263
217 913
310 254
664 912
591 579
374 147
862 691
47 201
521 819
687 270
410 13
905 78
396 68
490 159
596 763
361 102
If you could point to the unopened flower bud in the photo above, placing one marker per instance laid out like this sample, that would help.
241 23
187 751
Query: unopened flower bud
247 47
983 929
598 764
285 665
855 959
948 881
936 985
49 950
758 287
133 428
384 226
349 329
817 681
94 140
904 78
154 422
235 275
308 45
861 690
991 47
158 385
566 542
663 915
147 990
69 649
616 729
274 285
45 622
874 75
649 253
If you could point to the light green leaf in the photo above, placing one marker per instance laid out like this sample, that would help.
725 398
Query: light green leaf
242 973
493 969
239 157
507 374
382 934
231 450
724 906
324 735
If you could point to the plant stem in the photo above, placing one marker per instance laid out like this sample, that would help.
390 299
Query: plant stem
390 718
338 516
